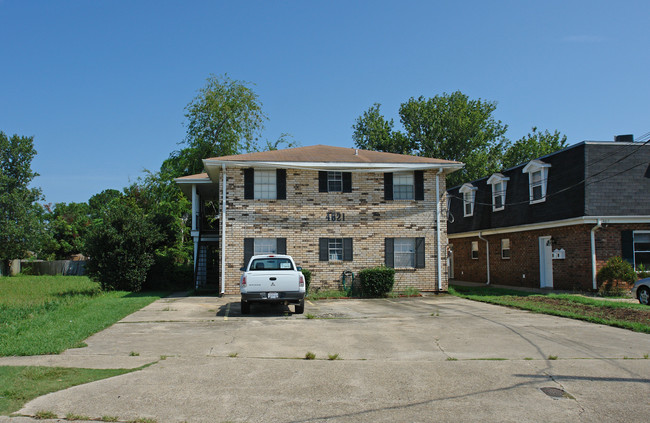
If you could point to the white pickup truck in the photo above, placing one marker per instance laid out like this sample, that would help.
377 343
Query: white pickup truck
272 278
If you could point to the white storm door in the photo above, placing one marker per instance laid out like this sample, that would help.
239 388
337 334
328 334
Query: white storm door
545 262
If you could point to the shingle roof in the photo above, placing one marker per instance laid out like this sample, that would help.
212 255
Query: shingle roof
329 154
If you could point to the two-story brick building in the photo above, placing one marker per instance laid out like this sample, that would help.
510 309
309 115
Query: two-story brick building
553 222
333 209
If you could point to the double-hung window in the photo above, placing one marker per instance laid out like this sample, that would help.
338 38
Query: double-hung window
265 184
537 180
505 248
335 249
475 250
499 183
404 252
265 246
334 181
641 249
403 188
469 192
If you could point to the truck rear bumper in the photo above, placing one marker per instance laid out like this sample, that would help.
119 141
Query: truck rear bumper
282 297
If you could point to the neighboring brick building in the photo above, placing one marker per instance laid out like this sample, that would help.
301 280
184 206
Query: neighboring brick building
553 222
333 209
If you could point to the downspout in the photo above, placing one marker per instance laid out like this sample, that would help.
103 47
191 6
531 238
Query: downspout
439 271
487 255
593 253
223 229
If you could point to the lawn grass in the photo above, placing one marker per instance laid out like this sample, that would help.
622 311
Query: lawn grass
49 314
635 317
21 384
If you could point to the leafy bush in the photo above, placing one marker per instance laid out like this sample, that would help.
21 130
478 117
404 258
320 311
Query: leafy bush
377 281
616 277
642 271
307 274
120 247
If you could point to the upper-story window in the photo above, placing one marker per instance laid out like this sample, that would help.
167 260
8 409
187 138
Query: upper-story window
499 183
265 184
334 181
537 172
469 193
403 186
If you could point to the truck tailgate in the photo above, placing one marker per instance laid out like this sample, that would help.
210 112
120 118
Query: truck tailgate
282 281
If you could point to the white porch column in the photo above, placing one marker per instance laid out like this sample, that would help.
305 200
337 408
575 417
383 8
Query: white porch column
195 207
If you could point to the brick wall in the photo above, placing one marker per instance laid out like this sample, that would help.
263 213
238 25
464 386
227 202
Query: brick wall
301 219
573 272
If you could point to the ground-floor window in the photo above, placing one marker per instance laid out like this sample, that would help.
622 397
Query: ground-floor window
259 246
335 249
641 249
404 253
505 248
475 250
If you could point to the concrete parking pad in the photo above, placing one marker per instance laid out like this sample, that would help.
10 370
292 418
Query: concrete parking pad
417 359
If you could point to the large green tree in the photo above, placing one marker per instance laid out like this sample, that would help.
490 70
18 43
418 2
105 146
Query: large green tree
21 224
67 225
448 126
224 118
534 144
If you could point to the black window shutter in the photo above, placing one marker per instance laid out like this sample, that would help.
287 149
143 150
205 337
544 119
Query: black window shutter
419 253
389 244
249 183
249 245
347 182
347 249
627 246
418 184
388 186
323 253
281 181
281 246
322 181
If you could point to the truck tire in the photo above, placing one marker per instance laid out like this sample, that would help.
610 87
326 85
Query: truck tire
300 307
245 307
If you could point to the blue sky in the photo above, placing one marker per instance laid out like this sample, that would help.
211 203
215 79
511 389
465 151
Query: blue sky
102 85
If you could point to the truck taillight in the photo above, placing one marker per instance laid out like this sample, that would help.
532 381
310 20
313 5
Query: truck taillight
301 280
243 281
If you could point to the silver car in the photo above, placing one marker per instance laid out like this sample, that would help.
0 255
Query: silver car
641 290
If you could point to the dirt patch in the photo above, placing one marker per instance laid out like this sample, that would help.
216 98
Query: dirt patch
613 313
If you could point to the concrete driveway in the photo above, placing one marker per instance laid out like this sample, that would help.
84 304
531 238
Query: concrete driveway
411 360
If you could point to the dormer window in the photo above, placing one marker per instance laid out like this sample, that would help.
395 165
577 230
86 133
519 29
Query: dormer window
469 193
499 183
537 172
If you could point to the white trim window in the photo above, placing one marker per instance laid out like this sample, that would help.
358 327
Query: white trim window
334 181
641 249
474 250
505 248
404 253
335 249
403 186
265 246
537 172
469 194
265 184
499 184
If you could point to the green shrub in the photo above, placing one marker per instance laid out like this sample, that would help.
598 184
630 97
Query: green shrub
642 271
377 281
307 274
616 277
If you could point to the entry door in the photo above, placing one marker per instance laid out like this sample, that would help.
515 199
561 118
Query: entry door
545 262
450 261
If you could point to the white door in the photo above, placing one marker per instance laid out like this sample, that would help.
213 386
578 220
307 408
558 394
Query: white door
545 262
450 261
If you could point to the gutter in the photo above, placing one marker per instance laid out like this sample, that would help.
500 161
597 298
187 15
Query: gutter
593 253
487 255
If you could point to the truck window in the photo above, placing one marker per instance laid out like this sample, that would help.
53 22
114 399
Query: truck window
271 264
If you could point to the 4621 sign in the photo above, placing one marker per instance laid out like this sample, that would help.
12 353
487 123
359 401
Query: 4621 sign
335 216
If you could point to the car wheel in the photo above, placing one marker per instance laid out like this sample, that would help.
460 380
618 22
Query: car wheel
644 295
245 307
300 307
